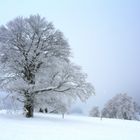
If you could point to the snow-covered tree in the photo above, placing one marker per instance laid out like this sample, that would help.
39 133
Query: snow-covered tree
137 107
35 61
121 106
53 104
94 112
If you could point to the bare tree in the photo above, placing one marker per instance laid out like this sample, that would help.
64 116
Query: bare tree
34 61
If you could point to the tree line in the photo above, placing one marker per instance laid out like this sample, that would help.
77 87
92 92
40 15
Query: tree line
121 106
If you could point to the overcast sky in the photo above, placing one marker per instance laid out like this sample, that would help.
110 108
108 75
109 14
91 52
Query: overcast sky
104 36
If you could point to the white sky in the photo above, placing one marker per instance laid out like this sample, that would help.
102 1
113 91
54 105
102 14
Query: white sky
104 36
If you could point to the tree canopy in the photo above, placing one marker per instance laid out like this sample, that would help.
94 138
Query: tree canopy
120 106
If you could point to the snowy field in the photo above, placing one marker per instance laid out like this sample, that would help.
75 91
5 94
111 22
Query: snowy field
53 127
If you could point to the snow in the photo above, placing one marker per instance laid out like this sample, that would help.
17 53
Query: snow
54 127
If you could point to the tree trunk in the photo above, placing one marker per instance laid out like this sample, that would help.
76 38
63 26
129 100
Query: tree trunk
29 110
29 106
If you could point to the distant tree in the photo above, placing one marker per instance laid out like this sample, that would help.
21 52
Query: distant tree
121 106
95 112
137 107
35 61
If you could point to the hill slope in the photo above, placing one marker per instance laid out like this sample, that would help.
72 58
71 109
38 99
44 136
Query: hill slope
53 127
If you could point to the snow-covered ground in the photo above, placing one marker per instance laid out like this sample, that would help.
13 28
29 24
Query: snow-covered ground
53 127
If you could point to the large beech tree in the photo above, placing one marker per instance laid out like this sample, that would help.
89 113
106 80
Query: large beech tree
35 63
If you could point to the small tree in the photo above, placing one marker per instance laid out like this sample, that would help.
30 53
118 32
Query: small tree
34 61
54 104
95 112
